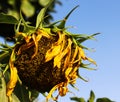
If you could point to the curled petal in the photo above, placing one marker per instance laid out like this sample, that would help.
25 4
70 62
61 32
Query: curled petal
56 48
13 80
35 39
43 33
52 90
13 76
58 58
63 91
67 71
51 53
60 38
75 54
82 53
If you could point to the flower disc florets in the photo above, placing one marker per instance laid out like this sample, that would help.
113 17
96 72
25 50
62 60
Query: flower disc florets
47 62
35 72
46 58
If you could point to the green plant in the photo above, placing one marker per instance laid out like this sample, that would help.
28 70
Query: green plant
28 8
44 58
91 99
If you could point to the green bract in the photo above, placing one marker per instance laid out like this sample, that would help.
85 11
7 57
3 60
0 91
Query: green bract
44 58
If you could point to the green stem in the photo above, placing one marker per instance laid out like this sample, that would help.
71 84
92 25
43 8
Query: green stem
3 55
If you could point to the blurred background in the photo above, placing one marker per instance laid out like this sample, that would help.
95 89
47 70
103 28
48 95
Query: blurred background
97 16
90 17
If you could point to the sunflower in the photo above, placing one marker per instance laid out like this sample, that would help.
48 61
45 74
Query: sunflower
46 58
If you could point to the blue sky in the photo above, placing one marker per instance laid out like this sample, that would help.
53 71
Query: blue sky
97 16
90 17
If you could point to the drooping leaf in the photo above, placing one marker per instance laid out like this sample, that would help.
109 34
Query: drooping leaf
74 87
44 2
3 55
62 24
8 19
15 98
33 95
3 97
52 24
27 28
86 66
22 93
27 8
83 37
79 76
92 97
41 15
5 51
77 99
104 99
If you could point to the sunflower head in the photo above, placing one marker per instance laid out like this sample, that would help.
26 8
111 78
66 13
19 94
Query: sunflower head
46 58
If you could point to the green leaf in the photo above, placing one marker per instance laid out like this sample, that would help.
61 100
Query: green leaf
33 95
79 76
5 51
15 98
77 99
11 2
41 15
82 37
86 66
3 55
27 8
27 28
44 2
52 24
104 99
74 87
22 93
86 48
8 19
92 97
3 97
62 24
82 78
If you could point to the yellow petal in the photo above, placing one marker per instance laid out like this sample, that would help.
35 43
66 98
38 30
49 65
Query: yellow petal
36 45
68 56
75 54
79 56
67 60
63 91
13 80
63 41
13 76
52 90
82 53
55 50
38 37
43 33
58 58
73 78
24 47
68 71
60 39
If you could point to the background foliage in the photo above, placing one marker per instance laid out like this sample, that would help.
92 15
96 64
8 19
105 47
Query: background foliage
29 9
